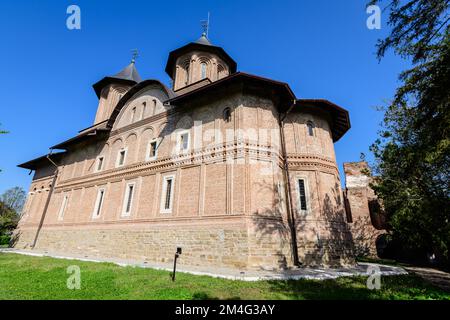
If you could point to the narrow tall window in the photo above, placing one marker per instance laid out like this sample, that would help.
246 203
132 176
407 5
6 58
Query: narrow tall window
187 76
152 149
220 72
167 195
302 194
133 115
184 141
121 158
310 126
227 115
98 203
203 70
100 161
62 209
128 199
154 107
144 109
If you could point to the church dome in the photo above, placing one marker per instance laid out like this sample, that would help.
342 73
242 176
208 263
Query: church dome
198 61
128 75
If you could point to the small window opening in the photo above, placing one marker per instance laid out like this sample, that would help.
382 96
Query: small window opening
227 115
310 126
302 194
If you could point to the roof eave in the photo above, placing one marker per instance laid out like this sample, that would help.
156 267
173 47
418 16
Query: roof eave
341 123
233 77
79 138
38 162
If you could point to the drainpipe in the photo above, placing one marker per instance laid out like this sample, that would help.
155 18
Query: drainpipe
47 202
288 190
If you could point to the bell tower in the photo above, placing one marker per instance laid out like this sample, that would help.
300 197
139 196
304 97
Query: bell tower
111 89
200 63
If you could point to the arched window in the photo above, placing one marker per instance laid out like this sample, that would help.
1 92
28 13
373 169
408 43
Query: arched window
144 107
203 70
227 115
186 82
133 115
220 72
311 127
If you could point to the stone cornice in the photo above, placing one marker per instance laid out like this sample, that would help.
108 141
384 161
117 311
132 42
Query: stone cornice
312 162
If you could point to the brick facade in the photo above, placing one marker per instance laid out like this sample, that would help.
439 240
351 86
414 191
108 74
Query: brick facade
229 202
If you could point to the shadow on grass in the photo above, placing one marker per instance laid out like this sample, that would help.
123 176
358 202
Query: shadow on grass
205 296
403 287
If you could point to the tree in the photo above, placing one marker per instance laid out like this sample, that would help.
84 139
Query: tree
412 154
8 222
3 131
14 199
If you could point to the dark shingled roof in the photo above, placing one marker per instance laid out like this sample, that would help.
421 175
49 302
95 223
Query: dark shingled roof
129 75
93 134
202 44
41 161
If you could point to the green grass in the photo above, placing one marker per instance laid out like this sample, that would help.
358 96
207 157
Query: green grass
27 277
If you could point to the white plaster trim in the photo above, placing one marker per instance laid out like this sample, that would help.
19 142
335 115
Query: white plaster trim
179 146
147 153
356 181
124 157
164 193
63 207
125 199
96 169
97 203
307 195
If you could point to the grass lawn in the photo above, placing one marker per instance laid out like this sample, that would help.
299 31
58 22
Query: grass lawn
27 277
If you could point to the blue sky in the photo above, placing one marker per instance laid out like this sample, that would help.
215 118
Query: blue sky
322 48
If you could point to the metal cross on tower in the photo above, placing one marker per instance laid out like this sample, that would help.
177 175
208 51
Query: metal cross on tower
205 26
135 54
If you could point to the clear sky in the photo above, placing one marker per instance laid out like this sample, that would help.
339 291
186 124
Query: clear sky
322 48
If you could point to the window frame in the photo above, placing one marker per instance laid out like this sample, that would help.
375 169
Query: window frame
102 158
226 118
147 153
63 207
144 108
307 195
126 199
133 115
187 75
163 208
203 70
124 157
99 200
179 144
310 128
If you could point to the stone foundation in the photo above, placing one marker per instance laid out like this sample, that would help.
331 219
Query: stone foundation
216 246
240 246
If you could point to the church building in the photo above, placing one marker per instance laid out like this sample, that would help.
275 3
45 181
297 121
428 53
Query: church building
229 166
